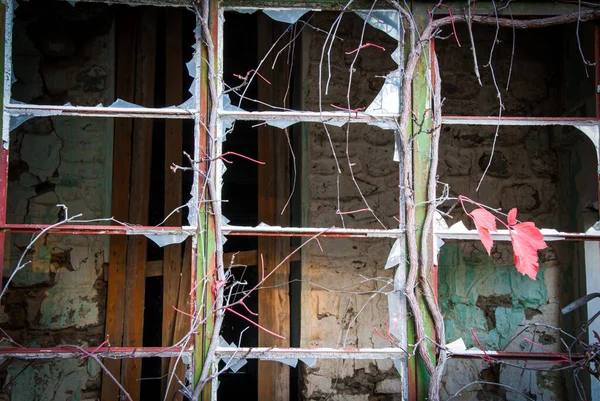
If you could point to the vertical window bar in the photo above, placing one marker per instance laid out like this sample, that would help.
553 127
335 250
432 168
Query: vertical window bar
8 25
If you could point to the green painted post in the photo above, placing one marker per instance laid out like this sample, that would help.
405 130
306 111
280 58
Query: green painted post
421 106
205 256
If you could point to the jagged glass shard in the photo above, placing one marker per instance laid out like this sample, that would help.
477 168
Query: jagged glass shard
293 362
395 256
189 104
286 16
192 89
387 100
166 239
310 362
386 21
192 211
246 10
191 67
283 124
227 106
335 123
396 157
224 220
235 364
397 56
122 104
16 121
439 243
72 2
456 346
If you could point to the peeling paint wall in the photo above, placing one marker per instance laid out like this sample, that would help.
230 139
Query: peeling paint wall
61 54
548 173
340 303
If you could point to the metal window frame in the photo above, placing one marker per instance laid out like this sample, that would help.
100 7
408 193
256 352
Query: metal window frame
9 110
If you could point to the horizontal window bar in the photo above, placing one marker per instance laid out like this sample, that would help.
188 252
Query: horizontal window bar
96 230
527 9
275 231
272 354
163 3
66 352
532 356
84 111
503 235
294 116
315 5
538 121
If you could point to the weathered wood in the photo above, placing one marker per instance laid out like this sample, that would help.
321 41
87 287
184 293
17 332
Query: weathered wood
273 190
182 322
231 259
115 300
139 200
173 184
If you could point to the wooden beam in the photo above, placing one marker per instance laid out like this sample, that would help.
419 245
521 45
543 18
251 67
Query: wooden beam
182 322
139 202
115 300
173 184
273 190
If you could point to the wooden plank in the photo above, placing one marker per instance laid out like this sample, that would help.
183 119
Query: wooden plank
182 322
273 190
173 184
115 300
231 259
139 201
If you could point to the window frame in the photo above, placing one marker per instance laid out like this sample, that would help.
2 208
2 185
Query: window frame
198 231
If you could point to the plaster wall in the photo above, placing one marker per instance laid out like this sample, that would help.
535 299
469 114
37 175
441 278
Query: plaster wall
345 284
59 298
548 173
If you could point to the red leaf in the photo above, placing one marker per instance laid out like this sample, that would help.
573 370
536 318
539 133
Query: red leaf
484 222
526 239
512 216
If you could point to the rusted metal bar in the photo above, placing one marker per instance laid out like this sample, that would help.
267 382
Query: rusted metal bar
538 121
66 352
503 235
82 111
6 13
273 354
97 230
294 116
264 353
558 357
275 231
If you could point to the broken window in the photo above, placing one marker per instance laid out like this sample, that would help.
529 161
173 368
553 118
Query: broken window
261 151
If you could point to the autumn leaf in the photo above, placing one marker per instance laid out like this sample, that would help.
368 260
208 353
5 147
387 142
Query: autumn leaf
526 240
484 222
512 216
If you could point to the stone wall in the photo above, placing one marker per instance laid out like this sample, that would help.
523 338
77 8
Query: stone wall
60 54
547 173
343 296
